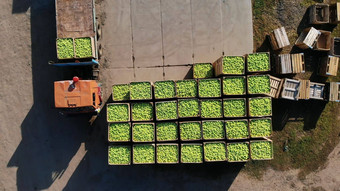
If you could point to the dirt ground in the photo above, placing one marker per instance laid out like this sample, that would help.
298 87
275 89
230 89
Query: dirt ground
42 150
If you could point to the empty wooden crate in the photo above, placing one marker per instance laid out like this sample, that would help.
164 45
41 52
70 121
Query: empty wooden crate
329 66
308 38
290 63
275 86
279 39
334 13
324 41
334 91
335 46
290 89
319 14
316 91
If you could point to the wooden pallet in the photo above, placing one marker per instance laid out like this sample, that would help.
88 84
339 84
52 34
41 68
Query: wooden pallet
279 39
334 91
329 66
319 14
316 91
275 87
298 63
334 13
284 65
291 89
308 38
304 89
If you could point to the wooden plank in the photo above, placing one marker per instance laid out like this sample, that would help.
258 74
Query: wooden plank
177 32
207 30
147 33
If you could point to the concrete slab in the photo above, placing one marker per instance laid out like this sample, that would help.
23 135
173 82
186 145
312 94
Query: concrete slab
147 33
177 32
149 74
207 30
237 27
117 76
117 34
108 77
178 72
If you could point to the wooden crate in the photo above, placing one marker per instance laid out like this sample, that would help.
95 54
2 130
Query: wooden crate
284 64
275 87
329 66
298 63
304 89
316 91
279 39
308 38
334 13
324 41
218 66
334 91
319 14
335 46
290 89
290 63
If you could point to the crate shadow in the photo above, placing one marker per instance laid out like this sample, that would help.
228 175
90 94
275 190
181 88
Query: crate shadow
94 173
306 111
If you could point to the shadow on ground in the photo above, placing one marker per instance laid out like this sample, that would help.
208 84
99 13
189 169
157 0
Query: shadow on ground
93 172
50 140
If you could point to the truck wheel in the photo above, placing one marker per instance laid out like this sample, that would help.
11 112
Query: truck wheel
99 31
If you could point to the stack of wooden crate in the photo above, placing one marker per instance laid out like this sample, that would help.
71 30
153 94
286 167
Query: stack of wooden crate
334 91
319 14
316 91
278 38
308 38
304 89
329 66
290 63
290 89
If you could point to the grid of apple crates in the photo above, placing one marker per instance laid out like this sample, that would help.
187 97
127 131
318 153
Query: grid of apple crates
220 115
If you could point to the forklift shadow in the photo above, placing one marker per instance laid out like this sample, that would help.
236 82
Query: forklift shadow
49 140
94 173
